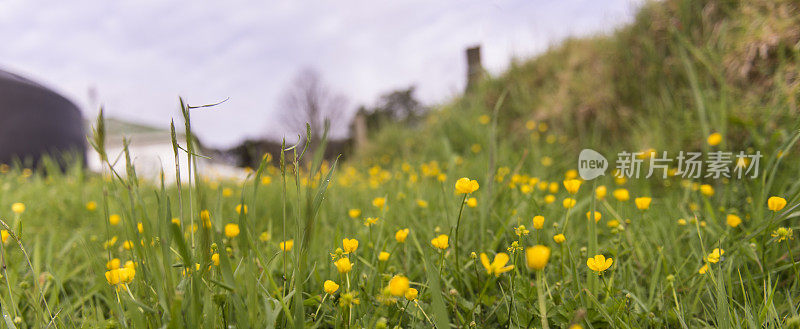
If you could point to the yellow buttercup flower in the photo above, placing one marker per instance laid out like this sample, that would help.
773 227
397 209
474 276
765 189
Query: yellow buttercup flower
521 230
538 222
343 265
369 221
681 222
543 127
241 207
286 245
120 275
572 186
265 236
776 203
91 206
559 238
613 223
703 269
600 192
733 220
114 219
706 190
597 216
348 299
398 285
266 180
621 194
130 264
401 235
383 256
112 264
599 263
475 148
113 277
498 265
354 213
536 257
465 185
422 203
109 243
548 199
546 161
205 217
379 202
714 139
411 294
569 203
552 187
330 287
18 208
226 192
349 245
231 230
484 119
643 203
542 185
715 255
782 233
570 174
472 202
647 153
441 242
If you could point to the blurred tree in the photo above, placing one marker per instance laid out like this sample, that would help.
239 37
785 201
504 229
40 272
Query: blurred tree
399 106
309 100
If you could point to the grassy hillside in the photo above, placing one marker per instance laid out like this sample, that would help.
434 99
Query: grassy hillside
681 71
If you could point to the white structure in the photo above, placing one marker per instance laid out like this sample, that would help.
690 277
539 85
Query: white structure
151 150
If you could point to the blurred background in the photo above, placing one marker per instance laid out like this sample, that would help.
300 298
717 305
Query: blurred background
274 65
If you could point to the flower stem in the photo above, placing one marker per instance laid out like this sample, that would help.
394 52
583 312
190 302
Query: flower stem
791 256
423 312
764 242
592 247
458 224
320 306
480 296
542 303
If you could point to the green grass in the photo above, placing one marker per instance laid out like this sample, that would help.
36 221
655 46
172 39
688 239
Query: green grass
664 82
654 281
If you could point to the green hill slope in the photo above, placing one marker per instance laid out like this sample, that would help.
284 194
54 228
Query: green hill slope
682 70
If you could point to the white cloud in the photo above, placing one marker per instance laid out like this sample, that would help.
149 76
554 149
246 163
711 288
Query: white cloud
141 55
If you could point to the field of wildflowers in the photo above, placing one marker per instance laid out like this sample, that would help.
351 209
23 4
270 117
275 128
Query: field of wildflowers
478 218
457 243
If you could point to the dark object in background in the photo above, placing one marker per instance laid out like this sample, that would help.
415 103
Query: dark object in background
36 121
250 152
474 67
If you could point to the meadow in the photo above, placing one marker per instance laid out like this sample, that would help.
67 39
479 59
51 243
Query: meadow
474 218
399 245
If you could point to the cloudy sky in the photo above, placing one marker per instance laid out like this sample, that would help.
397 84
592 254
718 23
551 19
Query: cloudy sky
141 55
